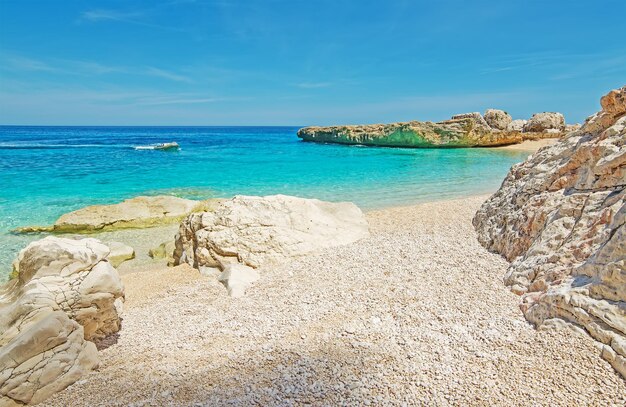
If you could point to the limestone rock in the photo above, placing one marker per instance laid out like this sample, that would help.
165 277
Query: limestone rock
476 116
541 122
119 253
572 127
467 130
559 218
238 278
497 119
66 294
259 231
164 251
516 125
139 212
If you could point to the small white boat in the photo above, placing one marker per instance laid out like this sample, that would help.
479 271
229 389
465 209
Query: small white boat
161 146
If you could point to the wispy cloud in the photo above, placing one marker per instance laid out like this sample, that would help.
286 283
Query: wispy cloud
313 85
161 73
139 18
86 68
110 15
175 101
565 65
28 64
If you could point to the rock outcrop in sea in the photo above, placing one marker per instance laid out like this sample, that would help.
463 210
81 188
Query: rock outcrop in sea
258 231
66 296
496 128
559 218
138 212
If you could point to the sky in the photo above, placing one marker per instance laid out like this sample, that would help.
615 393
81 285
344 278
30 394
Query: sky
304 62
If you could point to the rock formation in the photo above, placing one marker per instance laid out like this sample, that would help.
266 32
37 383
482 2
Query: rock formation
237 278
516 125
164 251
65 296
497 119
119 253
463 130
559 218
259 231
478 118
139 212
545 122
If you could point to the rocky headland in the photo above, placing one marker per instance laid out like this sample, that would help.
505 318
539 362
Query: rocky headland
495 128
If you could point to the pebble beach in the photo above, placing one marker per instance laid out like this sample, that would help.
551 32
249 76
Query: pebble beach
416 314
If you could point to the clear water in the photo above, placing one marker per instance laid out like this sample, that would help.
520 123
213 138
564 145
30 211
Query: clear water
47 171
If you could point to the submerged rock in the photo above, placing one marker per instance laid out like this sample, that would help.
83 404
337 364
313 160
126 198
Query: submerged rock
139 212
497 119
259 231
120 252
559 218
164 251
65 296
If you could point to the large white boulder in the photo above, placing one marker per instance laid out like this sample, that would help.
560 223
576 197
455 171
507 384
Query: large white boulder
65 296
559 218
257 231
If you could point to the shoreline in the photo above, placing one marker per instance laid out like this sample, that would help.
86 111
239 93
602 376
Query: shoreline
391 317
132 236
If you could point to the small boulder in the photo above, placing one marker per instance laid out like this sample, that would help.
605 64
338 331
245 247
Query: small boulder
497 119
237 278
164 251
120 252
478 118
542 122
572 127
516 125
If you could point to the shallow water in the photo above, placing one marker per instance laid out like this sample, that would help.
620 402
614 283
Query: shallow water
47 171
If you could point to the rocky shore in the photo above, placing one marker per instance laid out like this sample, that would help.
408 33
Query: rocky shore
415 314
495 128
282 300
560 219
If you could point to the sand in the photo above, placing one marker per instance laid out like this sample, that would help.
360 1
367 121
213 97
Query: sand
530 145
416 314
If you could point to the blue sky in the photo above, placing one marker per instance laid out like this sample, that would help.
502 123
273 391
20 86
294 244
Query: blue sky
297 62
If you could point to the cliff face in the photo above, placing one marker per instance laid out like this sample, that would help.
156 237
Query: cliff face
463 130
559 218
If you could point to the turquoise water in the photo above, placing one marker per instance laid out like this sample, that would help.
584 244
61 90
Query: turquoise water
47 171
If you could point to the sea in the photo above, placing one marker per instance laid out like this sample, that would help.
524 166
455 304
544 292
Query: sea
48 171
